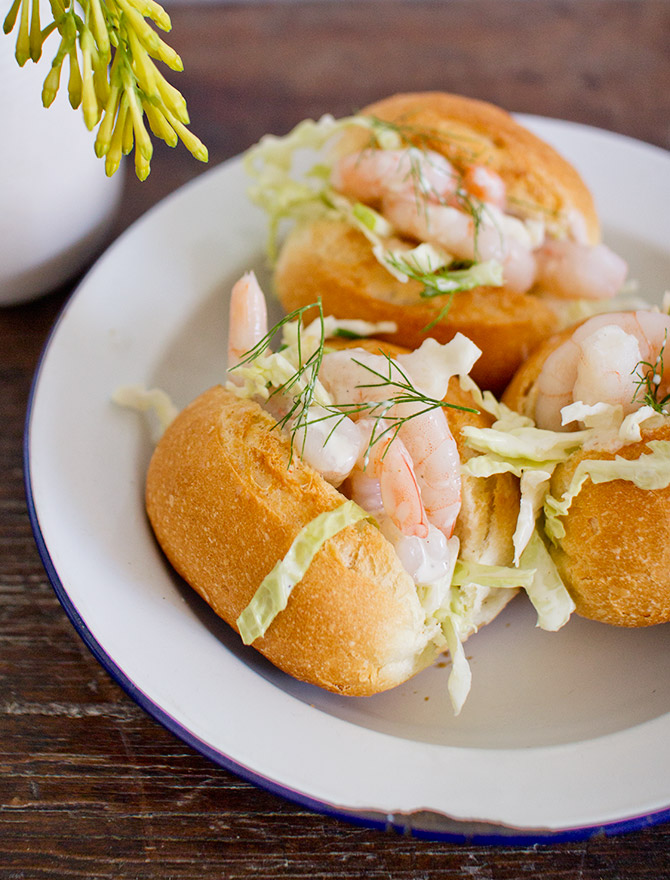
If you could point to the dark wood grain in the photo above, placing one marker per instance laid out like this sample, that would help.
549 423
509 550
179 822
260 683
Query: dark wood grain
90 787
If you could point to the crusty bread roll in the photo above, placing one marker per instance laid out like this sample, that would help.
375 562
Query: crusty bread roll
328 258
615 555
225 507
614 558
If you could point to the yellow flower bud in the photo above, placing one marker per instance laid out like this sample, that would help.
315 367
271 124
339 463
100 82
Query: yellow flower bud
90 106
23 38
52 83
142 166
193 144
173 99
10 18
104 136
35 32
154 11
99 27
159 125
113 158
74 81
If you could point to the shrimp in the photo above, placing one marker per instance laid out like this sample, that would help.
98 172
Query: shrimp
460 235
386 459
248 318
598 364
574 270
348 376
351 376
486 185
372 174
437 464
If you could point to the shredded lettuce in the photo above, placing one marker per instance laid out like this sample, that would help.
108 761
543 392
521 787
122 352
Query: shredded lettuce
546 591
523 446
272 595
491 576
153 401
460 678
279 191
534 485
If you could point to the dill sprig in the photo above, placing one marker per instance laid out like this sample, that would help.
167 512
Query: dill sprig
421 135
648 382
299 391
457 276
404 393
110 49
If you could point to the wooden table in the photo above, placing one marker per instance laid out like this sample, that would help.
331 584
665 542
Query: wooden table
90 786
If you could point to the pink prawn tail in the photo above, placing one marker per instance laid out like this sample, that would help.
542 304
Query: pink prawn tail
248 320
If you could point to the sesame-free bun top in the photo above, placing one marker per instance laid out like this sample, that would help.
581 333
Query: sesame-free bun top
329 259
225 506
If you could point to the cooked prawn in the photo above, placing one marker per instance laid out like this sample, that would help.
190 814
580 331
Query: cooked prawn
248 318
424 198
463 237
372 174
348 376
574 270
597 364
331 448
486 185
437 464
386 459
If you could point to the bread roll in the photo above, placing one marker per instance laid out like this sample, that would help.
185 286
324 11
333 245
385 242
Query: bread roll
614 557
225 507
329 258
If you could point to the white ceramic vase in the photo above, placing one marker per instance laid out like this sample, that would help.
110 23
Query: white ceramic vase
55 199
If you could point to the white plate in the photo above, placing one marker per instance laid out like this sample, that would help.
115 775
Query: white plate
563 734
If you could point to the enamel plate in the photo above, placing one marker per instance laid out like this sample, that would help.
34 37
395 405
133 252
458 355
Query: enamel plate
563 734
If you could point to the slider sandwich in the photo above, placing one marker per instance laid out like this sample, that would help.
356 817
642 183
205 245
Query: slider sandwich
441 214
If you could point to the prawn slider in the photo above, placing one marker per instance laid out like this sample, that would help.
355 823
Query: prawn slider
354 588
601 392
442 214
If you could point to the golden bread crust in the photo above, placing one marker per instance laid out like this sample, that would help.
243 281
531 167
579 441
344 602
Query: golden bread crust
615 555
331 260
225 506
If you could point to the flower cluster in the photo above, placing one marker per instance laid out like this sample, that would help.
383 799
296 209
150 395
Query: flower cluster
110 48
